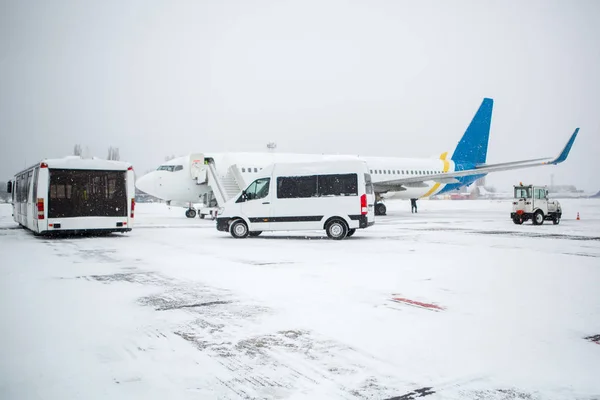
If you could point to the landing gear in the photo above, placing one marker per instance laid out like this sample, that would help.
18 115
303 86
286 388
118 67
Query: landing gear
380 209
190 213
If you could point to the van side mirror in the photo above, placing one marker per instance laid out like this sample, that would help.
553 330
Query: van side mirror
242 197
9 187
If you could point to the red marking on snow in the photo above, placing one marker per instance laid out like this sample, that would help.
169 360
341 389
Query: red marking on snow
418 303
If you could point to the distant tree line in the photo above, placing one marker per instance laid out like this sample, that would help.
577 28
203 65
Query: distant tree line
113 152
4 197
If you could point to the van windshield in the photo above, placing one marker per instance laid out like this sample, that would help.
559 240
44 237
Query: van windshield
86 193
259 189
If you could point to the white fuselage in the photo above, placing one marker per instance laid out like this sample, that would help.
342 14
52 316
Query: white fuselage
178 186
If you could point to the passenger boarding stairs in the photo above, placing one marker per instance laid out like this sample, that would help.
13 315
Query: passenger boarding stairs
223 188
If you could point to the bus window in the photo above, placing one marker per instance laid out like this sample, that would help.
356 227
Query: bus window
86 193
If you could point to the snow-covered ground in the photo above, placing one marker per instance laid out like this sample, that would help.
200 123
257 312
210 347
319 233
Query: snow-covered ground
177 310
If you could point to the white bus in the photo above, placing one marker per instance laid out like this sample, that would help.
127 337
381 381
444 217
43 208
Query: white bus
74 195
336 196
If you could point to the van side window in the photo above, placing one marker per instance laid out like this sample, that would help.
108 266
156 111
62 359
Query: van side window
338 185
259 189
296 187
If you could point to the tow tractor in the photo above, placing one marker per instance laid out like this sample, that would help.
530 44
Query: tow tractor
531 203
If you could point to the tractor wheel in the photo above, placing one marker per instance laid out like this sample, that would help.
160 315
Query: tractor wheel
538 218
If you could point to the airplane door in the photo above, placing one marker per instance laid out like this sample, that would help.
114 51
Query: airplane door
256 205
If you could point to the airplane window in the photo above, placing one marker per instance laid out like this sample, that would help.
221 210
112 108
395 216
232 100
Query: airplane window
178 168
255 170
243 169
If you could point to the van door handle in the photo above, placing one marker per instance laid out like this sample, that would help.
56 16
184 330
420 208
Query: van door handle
266 202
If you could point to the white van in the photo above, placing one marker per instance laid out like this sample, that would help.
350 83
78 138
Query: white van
333 195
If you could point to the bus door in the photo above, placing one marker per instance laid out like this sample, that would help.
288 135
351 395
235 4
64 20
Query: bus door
33 208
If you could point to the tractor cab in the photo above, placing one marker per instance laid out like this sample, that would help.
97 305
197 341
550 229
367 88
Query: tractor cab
531 203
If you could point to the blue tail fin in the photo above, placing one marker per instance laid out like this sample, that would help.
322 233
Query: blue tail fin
472 148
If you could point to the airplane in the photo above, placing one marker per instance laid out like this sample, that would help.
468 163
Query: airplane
185 180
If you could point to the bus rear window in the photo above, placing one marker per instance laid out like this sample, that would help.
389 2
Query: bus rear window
86 193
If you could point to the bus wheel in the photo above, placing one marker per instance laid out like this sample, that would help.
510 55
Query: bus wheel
238 229
190 213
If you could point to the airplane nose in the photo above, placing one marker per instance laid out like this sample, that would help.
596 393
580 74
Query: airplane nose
146 184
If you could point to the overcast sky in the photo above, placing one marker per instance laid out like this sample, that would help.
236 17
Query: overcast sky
376 77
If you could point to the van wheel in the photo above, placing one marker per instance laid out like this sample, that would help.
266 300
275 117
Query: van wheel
351 232
254 234
238 229
336 229
190 213
538 218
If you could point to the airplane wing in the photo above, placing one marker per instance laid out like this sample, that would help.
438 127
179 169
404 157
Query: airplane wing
401 184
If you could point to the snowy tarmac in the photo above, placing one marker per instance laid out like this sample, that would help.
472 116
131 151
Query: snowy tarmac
177 310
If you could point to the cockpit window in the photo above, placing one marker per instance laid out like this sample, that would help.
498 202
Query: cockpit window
170 168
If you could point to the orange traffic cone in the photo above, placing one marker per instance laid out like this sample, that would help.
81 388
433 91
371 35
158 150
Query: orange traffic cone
577 215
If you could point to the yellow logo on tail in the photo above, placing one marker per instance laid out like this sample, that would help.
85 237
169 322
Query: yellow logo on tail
435 187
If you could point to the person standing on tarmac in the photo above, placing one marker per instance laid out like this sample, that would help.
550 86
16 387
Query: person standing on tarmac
413 205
